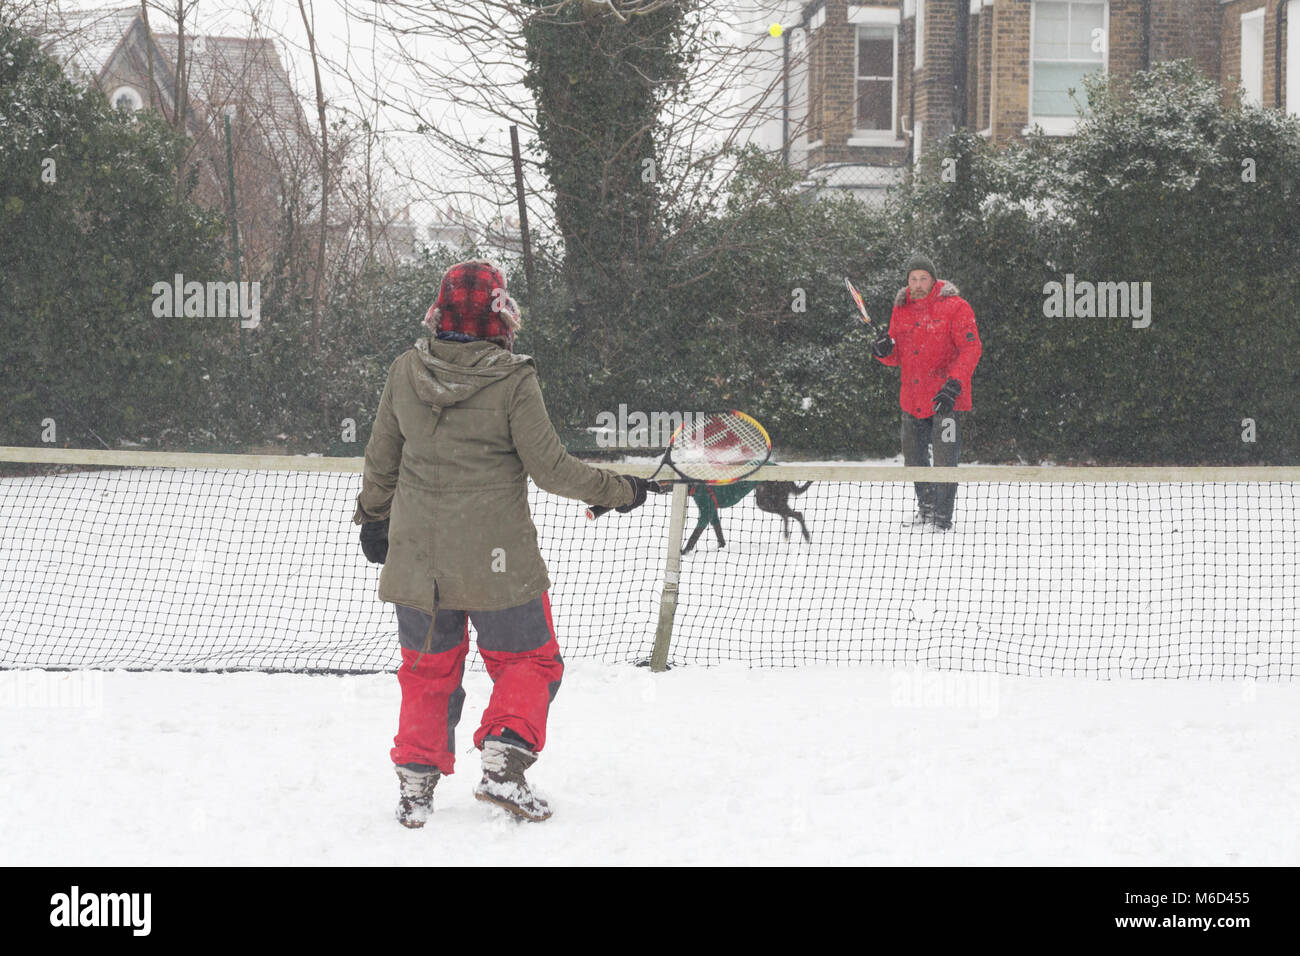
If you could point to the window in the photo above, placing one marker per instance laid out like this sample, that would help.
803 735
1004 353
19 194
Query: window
876 96
1252 56
124 97
1069 42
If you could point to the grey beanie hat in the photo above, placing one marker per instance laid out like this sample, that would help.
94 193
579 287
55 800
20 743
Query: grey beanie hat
920 260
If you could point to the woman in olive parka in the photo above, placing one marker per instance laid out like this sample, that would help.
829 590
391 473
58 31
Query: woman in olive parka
460 429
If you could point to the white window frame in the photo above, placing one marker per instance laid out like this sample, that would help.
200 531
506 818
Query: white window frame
877 15
814 85
1252 79
874 16
1293 57
131 93
1060 125
918 37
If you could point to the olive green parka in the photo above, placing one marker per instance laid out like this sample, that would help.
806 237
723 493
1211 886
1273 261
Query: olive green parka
461 426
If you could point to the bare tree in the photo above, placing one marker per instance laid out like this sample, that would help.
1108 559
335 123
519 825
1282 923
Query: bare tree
35 17
457 82
324 179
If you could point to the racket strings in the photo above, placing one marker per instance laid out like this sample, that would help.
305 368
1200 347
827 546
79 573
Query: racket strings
722 448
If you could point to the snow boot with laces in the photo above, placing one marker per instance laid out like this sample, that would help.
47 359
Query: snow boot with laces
503 780
416 803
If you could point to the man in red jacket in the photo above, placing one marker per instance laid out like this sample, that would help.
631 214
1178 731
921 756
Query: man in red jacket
933 339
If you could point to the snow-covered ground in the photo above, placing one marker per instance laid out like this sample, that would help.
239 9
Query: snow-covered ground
720 765
970 728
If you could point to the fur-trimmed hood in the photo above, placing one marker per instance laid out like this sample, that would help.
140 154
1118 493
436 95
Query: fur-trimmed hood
946 289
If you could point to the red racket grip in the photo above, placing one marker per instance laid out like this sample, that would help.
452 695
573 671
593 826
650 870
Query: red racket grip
595 511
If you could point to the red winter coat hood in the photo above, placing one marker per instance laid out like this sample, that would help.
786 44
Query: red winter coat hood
935 339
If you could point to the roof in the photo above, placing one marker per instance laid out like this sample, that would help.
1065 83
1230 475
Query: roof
83 41
225 70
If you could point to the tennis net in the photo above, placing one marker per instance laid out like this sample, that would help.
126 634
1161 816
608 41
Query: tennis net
140 560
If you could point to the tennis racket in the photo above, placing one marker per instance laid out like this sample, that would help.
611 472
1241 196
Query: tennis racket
857 297
713 449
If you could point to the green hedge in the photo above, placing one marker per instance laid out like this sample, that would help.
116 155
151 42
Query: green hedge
740 304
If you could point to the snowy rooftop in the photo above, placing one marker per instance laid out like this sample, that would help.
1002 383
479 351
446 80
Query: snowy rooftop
83 40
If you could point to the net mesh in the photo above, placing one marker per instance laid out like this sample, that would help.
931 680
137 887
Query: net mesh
1088 579
238 569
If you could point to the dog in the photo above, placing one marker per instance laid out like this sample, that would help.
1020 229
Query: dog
774 498
771 496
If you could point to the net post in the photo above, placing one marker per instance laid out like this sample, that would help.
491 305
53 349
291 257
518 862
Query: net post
672 573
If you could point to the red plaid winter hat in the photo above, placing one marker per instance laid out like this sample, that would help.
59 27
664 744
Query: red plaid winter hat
472 301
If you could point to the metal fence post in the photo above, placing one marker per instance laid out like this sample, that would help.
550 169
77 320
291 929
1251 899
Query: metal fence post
672 573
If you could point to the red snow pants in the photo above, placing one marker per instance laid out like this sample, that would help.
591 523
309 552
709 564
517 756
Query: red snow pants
518 647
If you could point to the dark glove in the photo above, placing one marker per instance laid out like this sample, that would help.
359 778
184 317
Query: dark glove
639 488
883 344
374 541
947 396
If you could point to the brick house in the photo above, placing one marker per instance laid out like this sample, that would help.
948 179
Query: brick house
136 68
884 79
274 146
243 79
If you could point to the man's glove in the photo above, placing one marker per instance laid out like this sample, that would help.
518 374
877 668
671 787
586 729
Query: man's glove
947 396
883 344
639 488
374 541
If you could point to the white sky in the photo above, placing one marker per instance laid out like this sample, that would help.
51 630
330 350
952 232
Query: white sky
366 53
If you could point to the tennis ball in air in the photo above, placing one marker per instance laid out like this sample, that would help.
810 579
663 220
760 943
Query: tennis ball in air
776 29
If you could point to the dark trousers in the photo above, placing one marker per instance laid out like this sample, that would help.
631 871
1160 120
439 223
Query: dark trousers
944 433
